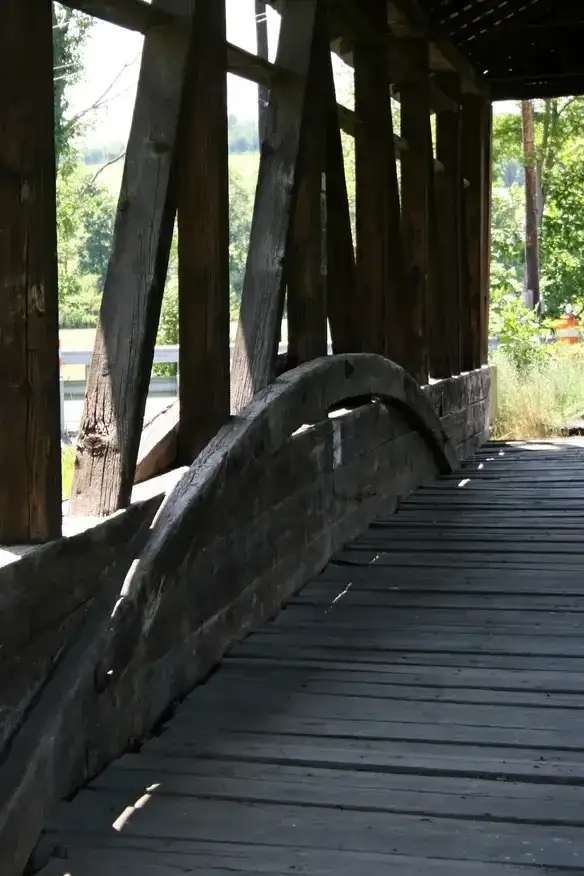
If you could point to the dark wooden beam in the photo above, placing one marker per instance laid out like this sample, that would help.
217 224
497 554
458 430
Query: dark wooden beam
30 447
263 53
417 23
203 225
119 375
415 164
486 201
379 269
438 359
263 289
306 291
341 294
473 119
449 191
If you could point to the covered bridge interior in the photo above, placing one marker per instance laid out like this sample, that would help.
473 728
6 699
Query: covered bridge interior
186 536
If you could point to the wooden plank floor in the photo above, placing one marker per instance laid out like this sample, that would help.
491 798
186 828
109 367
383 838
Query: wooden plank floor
418 709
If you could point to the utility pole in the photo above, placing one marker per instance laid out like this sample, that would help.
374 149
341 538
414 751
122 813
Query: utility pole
532 298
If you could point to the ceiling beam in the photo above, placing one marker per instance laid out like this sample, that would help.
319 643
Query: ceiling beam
409 19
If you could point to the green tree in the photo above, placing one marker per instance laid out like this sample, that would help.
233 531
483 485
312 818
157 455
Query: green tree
70 33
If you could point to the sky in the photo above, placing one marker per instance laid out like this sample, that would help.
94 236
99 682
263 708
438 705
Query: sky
112 58
112 62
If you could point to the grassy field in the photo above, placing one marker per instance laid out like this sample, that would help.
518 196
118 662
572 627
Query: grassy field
67 465
539 401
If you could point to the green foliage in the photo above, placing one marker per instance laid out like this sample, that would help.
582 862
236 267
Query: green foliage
559 141
241 197
85 217
517 328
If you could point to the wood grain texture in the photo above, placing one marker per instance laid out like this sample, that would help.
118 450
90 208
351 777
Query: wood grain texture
473 153
423 723
159 444
415 165
30 445
379 264
341 281
449 191
203 237
119 374
262 298
306 291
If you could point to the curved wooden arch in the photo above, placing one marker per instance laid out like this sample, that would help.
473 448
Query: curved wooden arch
301 396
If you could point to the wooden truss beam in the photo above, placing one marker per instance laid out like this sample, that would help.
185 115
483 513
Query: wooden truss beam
306 289
379 266
262 300
203 243
30 446
415 167
119 375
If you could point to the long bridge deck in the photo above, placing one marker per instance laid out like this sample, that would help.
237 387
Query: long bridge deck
416 709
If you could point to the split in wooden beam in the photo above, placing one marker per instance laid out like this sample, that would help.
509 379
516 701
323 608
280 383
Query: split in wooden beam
30 446
119 375
415 166
262 299
203 241
379 266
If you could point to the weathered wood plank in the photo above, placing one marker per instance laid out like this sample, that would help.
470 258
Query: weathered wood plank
486 183
379 265
262 299
415 164
263 53
30 446
473 138
341 288
306 291
448 196
118 379
158 445
203 244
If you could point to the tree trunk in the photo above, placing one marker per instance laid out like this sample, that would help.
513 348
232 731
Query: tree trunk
531 220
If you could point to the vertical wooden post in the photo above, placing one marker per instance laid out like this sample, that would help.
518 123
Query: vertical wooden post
486 220
378 263
415 164
306 302
437 336
263 287
203 225
341 289
30 446
473 117
449 189
119 375
261 20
